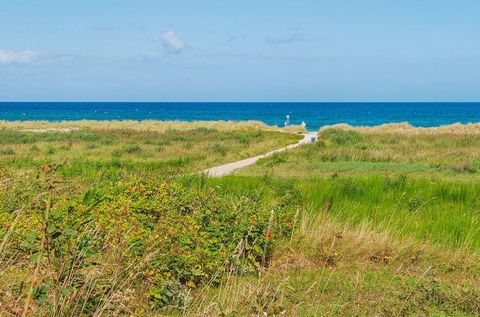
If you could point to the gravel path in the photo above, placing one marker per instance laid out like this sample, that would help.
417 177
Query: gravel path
226 169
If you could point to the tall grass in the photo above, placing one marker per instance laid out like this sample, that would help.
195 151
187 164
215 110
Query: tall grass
331 268
444 213
404 128
146 125
86 154
133 231
383 149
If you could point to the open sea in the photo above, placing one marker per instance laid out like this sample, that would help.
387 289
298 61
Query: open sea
315 114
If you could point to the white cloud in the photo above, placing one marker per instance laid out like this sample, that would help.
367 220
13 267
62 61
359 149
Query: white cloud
172 43
20 57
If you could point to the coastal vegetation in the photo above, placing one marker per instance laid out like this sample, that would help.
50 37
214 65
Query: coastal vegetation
445 152
146 125
108 221
89 154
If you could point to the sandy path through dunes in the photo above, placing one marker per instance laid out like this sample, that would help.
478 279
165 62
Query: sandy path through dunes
228 168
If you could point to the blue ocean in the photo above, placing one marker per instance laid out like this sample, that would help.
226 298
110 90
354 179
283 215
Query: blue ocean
315 114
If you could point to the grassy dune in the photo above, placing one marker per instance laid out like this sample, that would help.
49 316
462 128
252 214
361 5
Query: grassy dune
405 128
378 221
395 212
90 153
427 152
147 125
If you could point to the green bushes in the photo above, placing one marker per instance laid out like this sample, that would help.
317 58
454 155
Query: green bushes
160 239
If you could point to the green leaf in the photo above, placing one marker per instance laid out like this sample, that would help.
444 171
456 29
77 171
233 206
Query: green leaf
67 291
40 293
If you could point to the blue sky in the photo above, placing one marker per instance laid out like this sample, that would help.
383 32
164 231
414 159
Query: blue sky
303 50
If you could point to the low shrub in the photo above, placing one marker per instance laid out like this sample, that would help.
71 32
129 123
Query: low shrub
158 239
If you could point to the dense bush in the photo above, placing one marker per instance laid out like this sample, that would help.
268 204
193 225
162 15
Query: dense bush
190 236
157 239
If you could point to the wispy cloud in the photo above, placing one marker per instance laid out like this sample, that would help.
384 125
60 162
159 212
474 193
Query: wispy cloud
286 39
17 57
172 43
31 58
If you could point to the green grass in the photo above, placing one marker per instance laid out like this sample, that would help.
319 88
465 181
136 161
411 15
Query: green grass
356 152
339 266
444 213
85 153
363 223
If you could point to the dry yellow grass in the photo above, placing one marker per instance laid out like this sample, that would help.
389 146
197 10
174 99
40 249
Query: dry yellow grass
147 125
328 242
406 128
328 262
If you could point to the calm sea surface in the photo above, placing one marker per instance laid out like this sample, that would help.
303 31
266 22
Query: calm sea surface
314 114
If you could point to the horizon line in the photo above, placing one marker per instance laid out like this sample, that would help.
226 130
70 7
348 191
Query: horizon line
198 102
